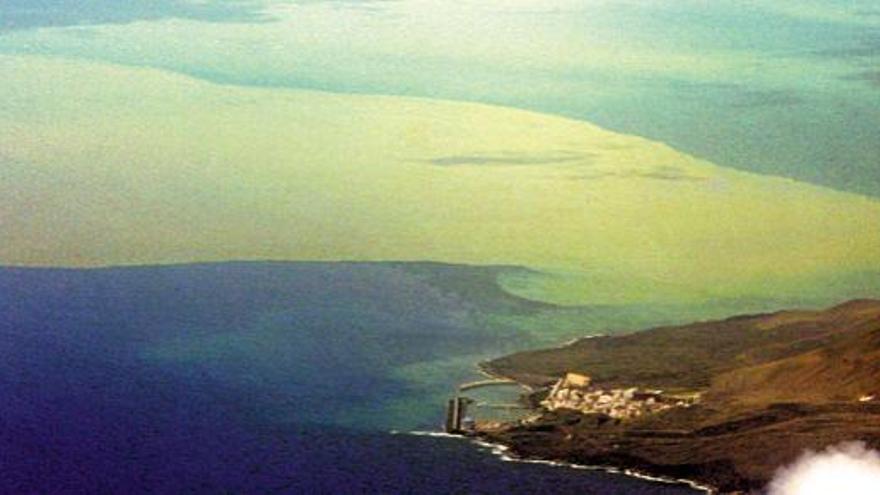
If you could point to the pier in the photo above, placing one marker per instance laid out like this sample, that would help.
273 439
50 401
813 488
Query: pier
486 383
457 420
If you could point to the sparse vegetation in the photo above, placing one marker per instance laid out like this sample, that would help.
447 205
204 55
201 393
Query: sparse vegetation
773 386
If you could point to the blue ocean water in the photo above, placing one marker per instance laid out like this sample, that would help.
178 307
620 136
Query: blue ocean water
255 378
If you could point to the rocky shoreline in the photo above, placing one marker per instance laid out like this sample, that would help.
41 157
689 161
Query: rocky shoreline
547 439
745 425
506 453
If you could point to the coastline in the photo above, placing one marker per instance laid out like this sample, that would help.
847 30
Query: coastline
754 411
505 454
483 369
507 450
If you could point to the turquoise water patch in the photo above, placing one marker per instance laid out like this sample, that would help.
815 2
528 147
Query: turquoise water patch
30 14
256 377
772 87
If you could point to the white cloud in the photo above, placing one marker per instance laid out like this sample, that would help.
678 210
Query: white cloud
849 468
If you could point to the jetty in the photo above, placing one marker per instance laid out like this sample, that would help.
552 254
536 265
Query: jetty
486 383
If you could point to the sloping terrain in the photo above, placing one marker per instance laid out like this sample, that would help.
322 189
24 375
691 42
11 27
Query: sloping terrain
689 356
773 386
846 368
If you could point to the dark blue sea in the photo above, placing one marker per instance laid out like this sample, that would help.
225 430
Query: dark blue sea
258 378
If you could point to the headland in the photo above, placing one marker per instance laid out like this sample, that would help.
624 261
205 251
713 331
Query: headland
722 403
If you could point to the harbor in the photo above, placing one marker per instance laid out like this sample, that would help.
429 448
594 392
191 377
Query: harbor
489 401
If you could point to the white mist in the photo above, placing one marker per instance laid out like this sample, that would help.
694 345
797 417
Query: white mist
849 468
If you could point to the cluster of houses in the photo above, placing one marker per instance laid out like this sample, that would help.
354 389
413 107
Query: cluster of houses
575 392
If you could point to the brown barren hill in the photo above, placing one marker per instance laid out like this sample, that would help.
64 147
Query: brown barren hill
846 369
772 386
689 356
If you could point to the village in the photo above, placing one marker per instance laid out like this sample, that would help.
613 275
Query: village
576 392
573 392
